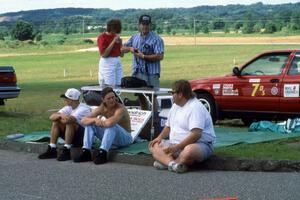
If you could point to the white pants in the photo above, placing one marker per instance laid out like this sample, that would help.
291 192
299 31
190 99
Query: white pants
110 71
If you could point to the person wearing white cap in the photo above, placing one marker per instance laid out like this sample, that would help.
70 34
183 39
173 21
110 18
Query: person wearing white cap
66 124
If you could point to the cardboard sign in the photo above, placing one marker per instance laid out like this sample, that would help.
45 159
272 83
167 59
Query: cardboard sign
138 119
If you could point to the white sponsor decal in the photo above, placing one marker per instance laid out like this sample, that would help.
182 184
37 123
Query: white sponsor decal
254 80
228 86
229 91
291 90
274 91
216 88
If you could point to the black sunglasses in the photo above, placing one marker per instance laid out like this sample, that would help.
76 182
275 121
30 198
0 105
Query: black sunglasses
172 92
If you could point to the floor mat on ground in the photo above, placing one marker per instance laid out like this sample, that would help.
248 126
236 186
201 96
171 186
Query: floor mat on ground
226 136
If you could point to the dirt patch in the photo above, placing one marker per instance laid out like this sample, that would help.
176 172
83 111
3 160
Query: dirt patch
185 40
231 40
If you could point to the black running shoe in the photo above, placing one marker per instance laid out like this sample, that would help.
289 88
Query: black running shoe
65 155
101 157
85 156
50 153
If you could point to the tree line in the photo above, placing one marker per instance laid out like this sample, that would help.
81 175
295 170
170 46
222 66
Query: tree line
245 19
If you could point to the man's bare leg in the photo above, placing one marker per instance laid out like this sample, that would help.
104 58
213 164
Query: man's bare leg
190 154
159 155
70 132
56 129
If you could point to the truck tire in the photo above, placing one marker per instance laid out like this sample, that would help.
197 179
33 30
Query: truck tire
209 104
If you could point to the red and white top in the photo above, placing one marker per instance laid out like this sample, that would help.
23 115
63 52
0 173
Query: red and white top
104 40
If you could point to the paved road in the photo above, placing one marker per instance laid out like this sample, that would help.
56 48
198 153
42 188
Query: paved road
24 177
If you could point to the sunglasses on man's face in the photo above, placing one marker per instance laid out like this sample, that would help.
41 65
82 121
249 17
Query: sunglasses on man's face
173 92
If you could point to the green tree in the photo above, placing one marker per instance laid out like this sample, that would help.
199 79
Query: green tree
66 30
226 28
205 29
1 36
270 27
168 30
3 32
153 26
248 26
38 37
295 22
22 31
159 30
238 25
258 27
218 24
197 29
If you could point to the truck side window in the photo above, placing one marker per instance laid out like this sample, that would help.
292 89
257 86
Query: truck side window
295 66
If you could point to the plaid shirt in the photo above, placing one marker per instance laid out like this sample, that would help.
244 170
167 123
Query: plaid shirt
149 45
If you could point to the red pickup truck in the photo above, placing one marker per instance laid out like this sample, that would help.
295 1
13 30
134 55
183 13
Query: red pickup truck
264 88
8 84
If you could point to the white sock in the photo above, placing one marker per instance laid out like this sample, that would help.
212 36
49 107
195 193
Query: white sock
52 145
68 146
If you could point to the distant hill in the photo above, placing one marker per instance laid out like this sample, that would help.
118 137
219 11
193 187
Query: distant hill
166 19
200 12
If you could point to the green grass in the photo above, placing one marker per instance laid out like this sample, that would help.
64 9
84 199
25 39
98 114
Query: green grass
41 78
285 149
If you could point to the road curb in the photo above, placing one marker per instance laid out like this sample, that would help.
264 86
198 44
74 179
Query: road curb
214 163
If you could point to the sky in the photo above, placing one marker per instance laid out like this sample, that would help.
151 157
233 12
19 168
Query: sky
22 5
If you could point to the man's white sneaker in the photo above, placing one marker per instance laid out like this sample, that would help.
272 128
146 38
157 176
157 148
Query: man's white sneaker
177 167
170 165
159 165
180 168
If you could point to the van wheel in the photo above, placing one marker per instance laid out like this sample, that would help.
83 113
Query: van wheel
209 104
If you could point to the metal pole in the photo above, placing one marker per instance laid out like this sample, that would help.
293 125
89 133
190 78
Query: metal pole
152 120
194 31
83 28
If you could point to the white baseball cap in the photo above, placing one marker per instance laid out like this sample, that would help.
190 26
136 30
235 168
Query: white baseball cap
72 94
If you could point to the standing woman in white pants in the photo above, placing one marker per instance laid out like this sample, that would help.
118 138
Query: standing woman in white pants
109 44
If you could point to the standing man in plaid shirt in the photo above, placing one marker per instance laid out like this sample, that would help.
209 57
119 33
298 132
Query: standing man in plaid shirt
148 50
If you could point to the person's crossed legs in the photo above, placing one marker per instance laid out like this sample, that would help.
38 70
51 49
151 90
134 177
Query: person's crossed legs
178 162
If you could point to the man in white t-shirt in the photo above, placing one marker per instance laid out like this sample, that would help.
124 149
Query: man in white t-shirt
66 123
190 130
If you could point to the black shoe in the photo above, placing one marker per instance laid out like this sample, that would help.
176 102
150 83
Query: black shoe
101 157
84 156
65 155
50 153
